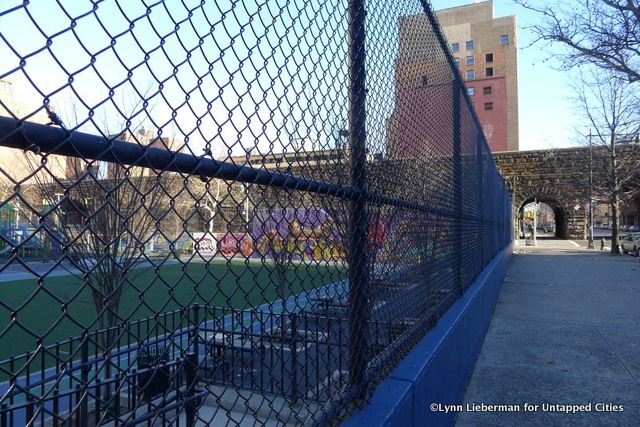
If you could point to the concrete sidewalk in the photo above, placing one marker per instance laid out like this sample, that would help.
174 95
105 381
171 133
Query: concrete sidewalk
566 331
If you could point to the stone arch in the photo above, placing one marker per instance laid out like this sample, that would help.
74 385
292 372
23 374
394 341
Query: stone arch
560 178
564 215
559 212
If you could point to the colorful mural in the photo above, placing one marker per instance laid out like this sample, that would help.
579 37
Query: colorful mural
234 243
299 234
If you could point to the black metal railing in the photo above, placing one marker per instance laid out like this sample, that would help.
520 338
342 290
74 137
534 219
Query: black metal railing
219 213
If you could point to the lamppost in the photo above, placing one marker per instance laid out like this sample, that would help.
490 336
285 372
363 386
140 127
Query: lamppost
535 221
17 209
590 244
515 214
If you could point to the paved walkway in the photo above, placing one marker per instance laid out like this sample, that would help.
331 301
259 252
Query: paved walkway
566 331
33 269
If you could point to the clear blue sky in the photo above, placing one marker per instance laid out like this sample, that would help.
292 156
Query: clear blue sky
546 118
546 111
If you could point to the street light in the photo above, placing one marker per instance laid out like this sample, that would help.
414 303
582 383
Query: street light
535 221
590 245
341 136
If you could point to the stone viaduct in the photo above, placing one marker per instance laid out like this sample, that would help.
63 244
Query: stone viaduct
557 177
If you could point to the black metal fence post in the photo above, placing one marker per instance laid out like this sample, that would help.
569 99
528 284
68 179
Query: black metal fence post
56 408
196 328
29 411
358 218
80 421
115 402
84 378
98 399
294 357
480 195
191 369
458 86
457 98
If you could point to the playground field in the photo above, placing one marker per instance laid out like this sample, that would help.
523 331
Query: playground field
62 306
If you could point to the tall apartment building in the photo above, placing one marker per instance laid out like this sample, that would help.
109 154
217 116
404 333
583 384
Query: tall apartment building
422 121
485 49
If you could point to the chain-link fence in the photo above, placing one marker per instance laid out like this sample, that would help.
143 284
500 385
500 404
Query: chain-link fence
229 212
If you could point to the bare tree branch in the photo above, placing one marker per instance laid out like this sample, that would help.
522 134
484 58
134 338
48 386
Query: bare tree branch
611 109
604 33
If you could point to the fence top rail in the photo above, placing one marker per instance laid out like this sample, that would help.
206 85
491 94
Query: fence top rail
29 136
52 140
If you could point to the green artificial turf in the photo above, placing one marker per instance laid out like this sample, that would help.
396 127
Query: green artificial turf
62 307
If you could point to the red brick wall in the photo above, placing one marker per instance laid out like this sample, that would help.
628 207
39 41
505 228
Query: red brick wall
421 125
494 122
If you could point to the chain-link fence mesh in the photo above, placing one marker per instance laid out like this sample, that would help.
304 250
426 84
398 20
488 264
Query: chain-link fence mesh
229 212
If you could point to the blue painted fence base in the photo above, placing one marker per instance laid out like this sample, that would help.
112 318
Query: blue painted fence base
439 367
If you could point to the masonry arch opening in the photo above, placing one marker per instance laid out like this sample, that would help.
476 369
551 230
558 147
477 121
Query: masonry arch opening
550 218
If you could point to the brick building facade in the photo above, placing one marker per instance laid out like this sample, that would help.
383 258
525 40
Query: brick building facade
485 49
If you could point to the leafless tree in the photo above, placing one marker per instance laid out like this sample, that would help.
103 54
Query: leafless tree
211 201
282 253
603 33
7 193
101 215
611 109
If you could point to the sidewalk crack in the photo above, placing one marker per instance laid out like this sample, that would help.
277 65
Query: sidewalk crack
616 356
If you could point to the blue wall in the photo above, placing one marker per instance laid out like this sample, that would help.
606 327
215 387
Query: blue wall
440 365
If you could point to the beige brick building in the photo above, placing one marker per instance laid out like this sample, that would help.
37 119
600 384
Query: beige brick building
486 50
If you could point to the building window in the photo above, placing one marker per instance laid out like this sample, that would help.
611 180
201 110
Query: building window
504 39
488 106
471 74
456 61
471 91
486 90
488 72
470 60
488 57
425 81
455 47
469 44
